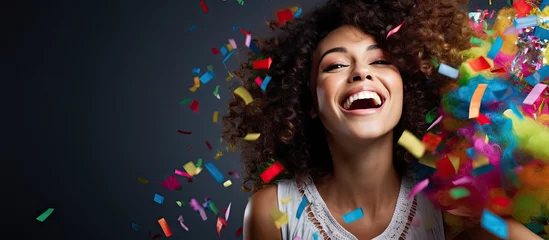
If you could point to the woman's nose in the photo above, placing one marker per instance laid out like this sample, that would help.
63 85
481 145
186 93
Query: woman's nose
360 78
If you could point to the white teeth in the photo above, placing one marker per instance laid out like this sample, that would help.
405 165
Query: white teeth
362 95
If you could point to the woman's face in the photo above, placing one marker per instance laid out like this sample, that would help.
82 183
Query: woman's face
359 93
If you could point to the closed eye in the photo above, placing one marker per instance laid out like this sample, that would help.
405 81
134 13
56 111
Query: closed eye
334 66
382 62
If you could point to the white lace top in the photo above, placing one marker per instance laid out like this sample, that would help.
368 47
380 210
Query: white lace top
413 219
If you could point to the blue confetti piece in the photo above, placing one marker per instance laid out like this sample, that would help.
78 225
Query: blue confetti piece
495 48
353 215
315 236
543 4
265 82
135 227
192 28
206 77
227 57
523 22
235 28
224 50
158 198
254 47
301 207
298 13
541 33
196 71
494 224
482 170
448 71
516 111
217 175
471 152
539 76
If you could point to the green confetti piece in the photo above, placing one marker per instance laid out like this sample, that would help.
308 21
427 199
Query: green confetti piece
210 68
179 203
185 101
213 208
431 115
509 3
241 2
476 41
220 140
435 62
227 148
45 215
216 90
199 163
459 192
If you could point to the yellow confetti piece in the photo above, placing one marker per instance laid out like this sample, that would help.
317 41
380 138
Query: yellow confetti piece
279 217
227 183
229 47
455 161
218 155
229 77
198 170
428 160
216 113
190 168
179 203
412 144
196 84
286 200
480 161
142 180
244 94
252 136
486 139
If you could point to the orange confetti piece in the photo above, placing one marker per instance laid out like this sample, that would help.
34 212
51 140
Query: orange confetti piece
474 107
165 227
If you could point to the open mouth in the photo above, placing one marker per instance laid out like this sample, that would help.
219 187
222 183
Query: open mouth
363 100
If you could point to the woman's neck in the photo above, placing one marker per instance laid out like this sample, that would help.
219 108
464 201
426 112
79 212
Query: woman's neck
364 175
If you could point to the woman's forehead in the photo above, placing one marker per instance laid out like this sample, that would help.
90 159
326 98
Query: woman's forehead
345 36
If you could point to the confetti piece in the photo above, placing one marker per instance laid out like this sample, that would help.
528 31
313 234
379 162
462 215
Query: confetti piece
284 16
204 7
229 77
431 141
462 180
265 82
524 22
394 30
445 167
534 94
502 201
215 116
156 236
192 28
135 226
241 2
206 77
227 183
234 174
459 192
196 206
271 172
158 198
286 200
171 183
418 188
208 145
297 238
479 64
248 40
430 116
185 101
494 224
220 224
198 162
181 173
412 144
227 212
279 217
258 81
218 155
233 43
227 57
435 123
216 91
252 136
262 64
301 207
45 215
494 50
244 94
183 132
315 236
194 106
217 175
238 232
353 215
448 71
190 168
180 220
474 107
298 13
165 227
179 203
142 180
477 41
215 51
482 170
483 120
539 76
212 207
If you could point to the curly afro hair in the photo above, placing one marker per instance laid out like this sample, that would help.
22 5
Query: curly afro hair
433 31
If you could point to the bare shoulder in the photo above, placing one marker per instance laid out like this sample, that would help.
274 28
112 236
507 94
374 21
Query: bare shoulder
258 223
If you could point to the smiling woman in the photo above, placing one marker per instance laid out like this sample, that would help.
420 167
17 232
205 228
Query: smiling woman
340 91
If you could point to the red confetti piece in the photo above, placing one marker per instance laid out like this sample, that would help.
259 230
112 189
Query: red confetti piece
262 64
165 227
483 119
183 132
244 32
190 179
394 30
208 145
220 224
204 7
258 81
498 70
445 167
431 141
271 172
479 64
215 51
156 236
194 106
238 232
522 8
502 201
284 16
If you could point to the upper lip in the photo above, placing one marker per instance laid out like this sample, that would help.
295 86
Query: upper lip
361 89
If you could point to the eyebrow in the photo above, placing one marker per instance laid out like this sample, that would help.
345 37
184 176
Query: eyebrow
344 50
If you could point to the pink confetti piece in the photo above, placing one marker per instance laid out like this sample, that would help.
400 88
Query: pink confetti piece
233 43
418 188
181 173
394 30
462 180
234 174
227 212
180 219
196 206
534 94
248 40
297 238
435 123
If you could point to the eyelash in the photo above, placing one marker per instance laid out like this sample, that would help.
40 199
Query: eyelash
335 66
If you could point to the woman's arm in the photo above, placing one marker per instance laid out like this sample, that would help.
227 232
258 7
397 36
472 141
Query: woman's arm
258 223
517 231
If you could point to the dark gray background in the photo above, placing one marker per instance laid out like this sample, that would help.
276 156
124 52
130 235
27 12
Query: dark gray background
92 91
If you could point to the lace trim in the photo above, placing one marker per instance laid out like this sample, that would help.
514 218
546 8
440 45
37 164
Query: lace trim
329 228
